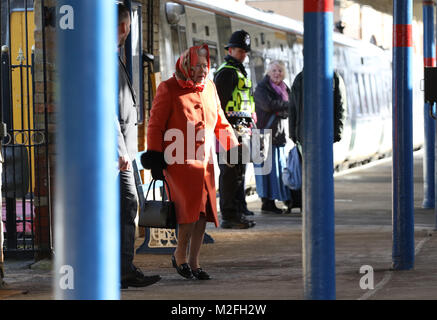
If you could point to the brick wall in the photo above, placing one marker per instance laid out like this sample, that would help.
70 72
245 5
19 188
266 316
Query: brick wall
45 158
145 31
45 84
142 129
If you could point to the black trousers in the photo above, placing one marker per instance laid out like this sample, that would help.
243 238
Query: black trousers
231 189
128 212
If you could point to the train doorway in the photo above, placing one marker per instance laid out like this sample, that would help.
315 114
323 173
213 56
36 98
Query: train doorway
26 200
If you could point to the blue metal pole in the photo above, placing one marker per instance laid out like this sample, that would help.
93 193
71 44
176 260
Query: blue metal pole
87 244
429 125
318 182
403 196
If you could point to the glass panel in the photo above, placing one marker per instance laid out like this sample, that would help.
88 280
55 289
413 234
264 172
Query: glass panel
363 103
353 95
377 86
183 39
368 94
175 44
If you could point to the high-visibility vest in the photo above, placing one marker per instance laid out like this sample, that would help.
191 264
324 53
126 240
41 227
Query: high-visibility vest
242 104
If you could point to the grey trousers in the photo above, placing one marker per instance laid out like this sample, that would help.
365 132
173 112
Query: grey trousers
128 212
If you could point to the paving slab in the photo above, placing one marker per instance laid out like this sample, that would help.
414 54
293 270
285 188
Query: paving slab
265 262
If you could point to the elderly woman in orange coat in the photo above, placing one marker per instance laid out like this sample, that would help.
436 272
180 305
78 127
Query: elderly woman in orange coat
185 116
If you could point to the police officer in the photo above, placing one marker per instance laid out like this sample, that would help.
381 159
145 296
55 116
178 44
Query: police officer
235 93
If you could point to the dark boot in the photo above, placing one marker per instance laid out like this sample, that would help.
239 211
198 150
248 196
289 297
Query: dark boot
269 206
2 275
239 222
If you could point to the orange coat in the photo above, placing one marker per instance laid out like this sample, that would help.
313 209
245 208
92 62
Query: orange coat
198 117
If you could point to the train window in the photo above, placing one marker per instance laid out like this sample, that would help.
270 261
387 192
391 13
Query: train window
375 81
207 31
213 55
282 47
257 63
225 32
183 38
352 94
376 94
379 94
356 94
256 42
178 40
361 91
194 27
387 91
385 100
299 63
370 94
175 41
263 40
365 93
382 97
268 45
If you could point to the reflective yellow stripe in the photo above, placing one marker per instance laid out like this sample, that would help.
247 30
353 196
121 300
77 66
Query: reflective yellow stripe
242 99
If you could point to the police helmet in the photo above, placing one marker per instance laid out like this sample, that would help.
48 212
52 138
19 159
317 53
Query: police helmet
239 39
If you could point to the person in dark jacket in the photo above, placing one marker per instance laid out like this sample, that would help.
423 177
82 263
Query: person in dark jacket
127 142
272 102
296 112
296 107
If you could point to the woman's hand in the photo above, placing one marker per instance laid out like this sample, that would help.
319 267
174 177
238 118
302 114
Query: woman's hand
124 163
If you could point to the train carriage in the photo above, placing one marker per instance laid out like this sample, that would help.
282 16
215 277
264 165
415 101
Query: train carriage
366 69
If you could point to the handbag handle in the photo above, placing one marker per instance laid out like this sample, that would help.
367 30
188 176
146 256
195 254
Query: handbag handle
269 122
153 182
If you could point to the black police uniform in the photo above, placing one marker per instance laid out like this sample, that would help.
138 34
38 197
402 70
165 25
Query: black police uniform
233 204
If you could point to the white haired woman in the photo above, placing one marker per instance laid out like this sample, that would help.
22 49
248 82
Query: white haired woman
272 98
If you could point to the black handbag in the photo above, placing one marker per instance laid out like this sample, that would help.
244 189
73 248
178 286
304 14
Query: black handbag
158 213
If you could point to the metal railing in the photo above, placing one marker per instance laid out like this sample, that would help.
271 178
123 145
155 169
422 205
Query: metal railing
25 181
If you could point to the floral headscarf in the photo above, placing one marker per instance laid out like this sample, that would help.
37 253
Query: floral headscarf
184 67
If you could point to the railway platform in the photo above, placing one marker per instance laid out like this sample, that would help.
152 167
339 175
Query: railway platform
265 262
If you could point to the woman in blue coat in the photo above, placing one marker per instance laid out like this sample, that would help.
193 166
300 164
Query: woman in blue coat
272 98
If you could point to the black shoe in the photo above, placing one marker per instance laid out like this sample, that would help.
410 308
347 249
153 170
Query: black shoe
242 223
199 274
138 279
270 207
184 269
247 212
2 275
